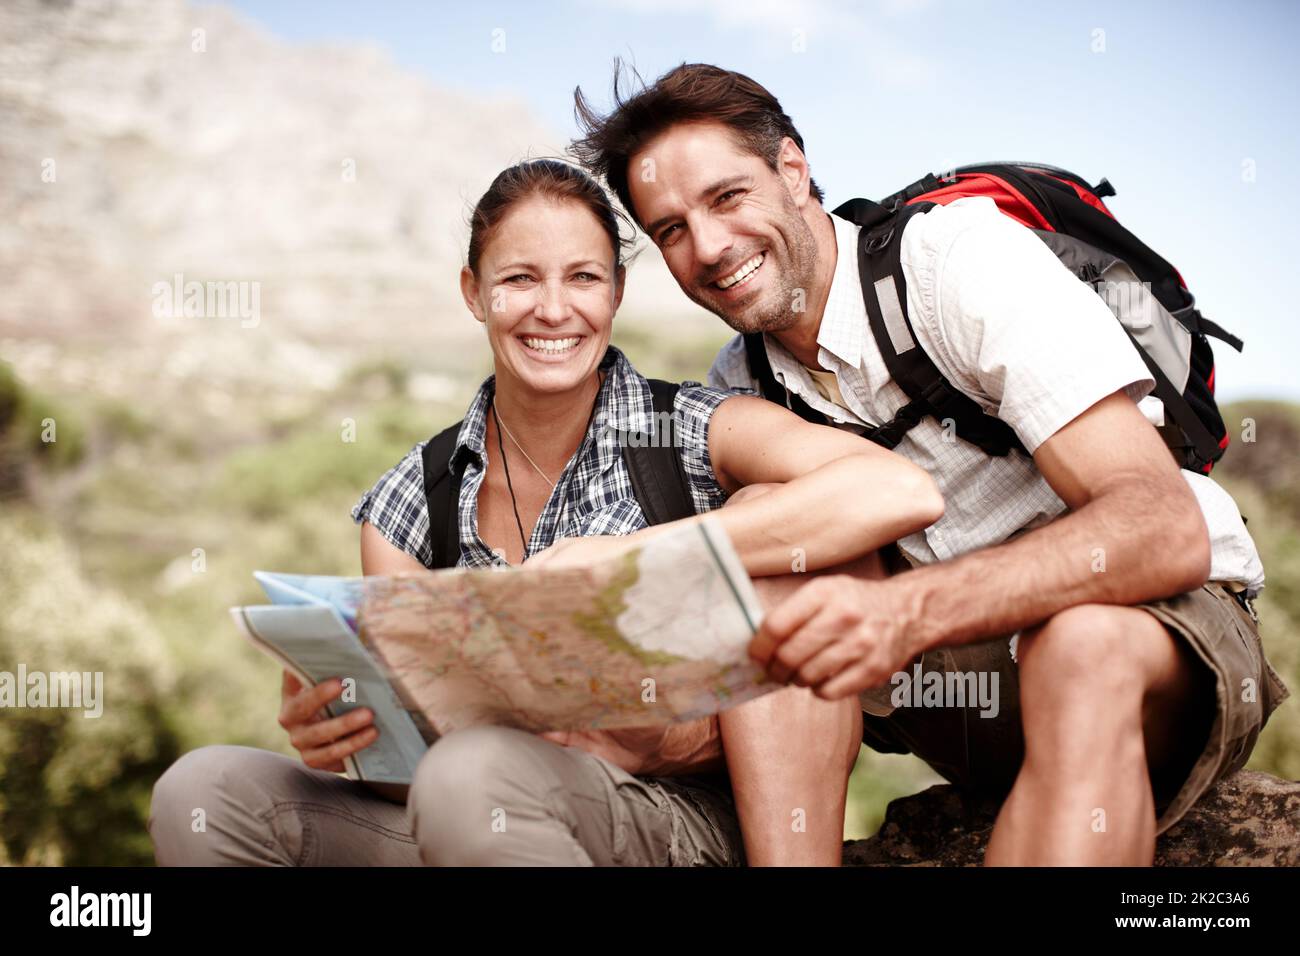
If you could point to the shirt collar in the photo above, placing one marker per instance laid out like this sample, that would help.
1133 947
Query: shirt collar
844 318
617 403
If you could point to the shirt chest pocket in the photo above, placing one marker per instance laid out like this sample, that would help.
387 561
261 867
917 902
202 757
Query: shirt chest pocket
620 516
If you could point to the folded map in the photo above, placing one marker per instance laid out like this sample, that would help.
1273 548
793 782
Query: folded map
653 635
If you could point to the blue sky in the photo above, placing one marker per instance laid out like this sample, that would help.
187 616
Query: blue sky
1187 107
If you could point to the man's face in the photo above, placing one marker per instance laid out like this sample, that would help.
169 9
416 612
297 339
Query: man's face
730 229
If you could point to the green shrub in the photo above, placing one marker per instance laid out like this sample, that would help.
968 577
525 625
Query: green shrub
74 789
32 426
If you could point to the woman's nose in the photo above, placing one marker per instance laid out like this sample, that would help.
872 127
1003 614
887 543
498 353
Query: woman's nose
552 303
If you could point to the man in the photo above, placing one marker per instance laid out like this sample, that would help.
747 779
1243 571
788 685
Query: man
1106 590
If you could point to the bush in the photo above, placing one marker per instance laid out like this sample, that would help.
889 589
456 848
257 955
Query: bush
267 479
75 790
31 426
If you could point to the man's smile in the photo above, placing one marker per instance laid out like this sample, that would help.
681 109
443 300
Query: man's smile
742 275
741 278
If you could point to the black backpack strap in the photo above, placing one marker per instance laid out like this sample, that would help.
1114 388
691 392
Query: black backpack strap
1203 444
761 370
442 497
654 462
868 214
1191 319
884 291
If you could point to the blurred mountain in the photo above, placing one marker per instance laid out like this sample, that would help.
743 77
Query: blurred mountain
145 139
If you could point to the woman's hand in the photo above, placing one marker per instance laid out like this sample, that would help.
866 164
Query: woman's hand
323 741
687 748
630 749
582 552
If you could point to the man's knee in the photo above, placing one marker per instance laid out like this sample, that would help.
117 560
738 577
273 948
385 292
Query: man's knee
1100 650
466 789
206 797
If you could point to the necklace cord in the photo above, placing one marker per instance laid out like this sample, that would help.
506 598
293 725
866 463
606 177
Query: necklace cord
515 441
506 465
514 504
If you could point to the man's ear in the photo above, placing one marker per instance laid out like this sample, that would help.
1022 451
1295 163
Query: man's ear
792 167
620 276
469 291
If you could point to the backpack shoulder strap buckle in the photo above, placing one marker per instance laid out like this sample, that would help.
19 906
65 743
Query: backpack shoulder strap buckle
878 240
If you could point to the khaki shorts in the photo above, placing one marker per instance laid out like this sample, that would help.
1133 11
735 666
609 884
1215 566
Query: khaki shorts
983 754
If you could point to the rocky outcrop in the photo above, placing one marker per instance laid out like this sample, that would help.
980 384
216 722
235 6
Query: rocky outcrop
1249 819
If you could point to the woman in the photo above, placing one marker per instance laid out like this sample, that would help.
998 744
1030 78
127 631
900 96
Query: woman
545 277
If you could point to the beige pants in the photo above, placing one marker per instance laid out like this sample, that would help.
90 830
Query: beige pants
483 796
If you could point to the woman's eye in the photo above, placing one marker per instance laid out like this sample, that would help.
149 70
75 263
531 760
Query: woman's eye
587 277
519 279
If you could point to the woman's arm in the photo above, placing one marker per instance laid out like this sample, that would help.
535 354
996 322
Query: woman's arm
838 496
381 556
830 494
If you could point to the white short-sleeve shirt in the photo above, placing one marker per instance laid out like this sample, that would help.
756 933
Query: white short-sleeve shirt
1015 330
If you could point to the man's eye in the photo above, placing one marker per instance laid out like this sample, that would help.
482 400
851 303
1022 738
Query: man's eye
519 279
587 277
728 196
668 233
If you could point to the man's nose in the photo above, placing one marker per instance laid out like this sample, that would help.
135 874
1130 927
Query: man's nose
552 303
712 241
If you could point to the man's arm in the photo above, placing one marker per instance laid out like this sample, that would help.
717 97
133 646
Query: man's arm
1134 533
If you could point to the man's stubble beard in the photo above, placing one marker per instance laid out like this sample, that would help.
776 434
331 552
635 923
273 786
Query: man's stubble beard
781 314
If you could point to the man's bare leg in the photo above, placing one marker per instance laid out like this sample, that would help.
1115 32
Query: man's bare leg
1104 691
789 755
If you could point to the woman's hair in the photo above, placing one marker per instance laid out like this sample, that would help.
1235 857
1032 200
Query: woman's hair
551 179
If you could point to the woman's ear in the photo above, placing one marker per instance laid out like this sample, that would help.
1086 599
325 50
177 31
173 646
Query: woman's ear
620 274
469 291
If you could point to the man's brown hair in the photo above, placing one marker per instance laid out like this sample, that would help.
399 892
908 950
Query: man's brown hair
692 92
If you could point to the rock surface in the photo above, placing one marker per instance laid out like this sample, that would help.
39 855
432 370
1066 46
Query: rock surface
1249 819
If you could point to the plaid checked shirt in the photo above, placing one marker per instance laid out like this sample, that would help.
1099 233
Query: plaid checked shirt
593 494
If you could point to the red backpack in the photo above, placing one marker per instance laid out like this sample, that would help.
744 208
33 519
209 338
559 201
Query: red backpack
1145 292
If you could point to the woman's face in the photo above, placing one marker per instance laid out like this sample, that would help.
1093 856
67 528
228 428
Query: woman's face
547 292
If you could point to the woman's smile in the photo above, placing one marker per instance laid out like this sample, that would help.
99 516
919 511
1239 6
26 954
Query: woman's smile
551 348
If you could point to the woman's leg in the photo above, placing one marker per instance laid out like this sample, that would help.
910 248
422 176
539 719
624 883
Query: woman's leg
496 796
237 806
789 755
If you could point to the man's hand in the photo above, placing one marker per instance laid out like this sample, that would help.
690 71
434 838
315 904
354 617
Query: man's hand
839 635
1128 504
692 747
